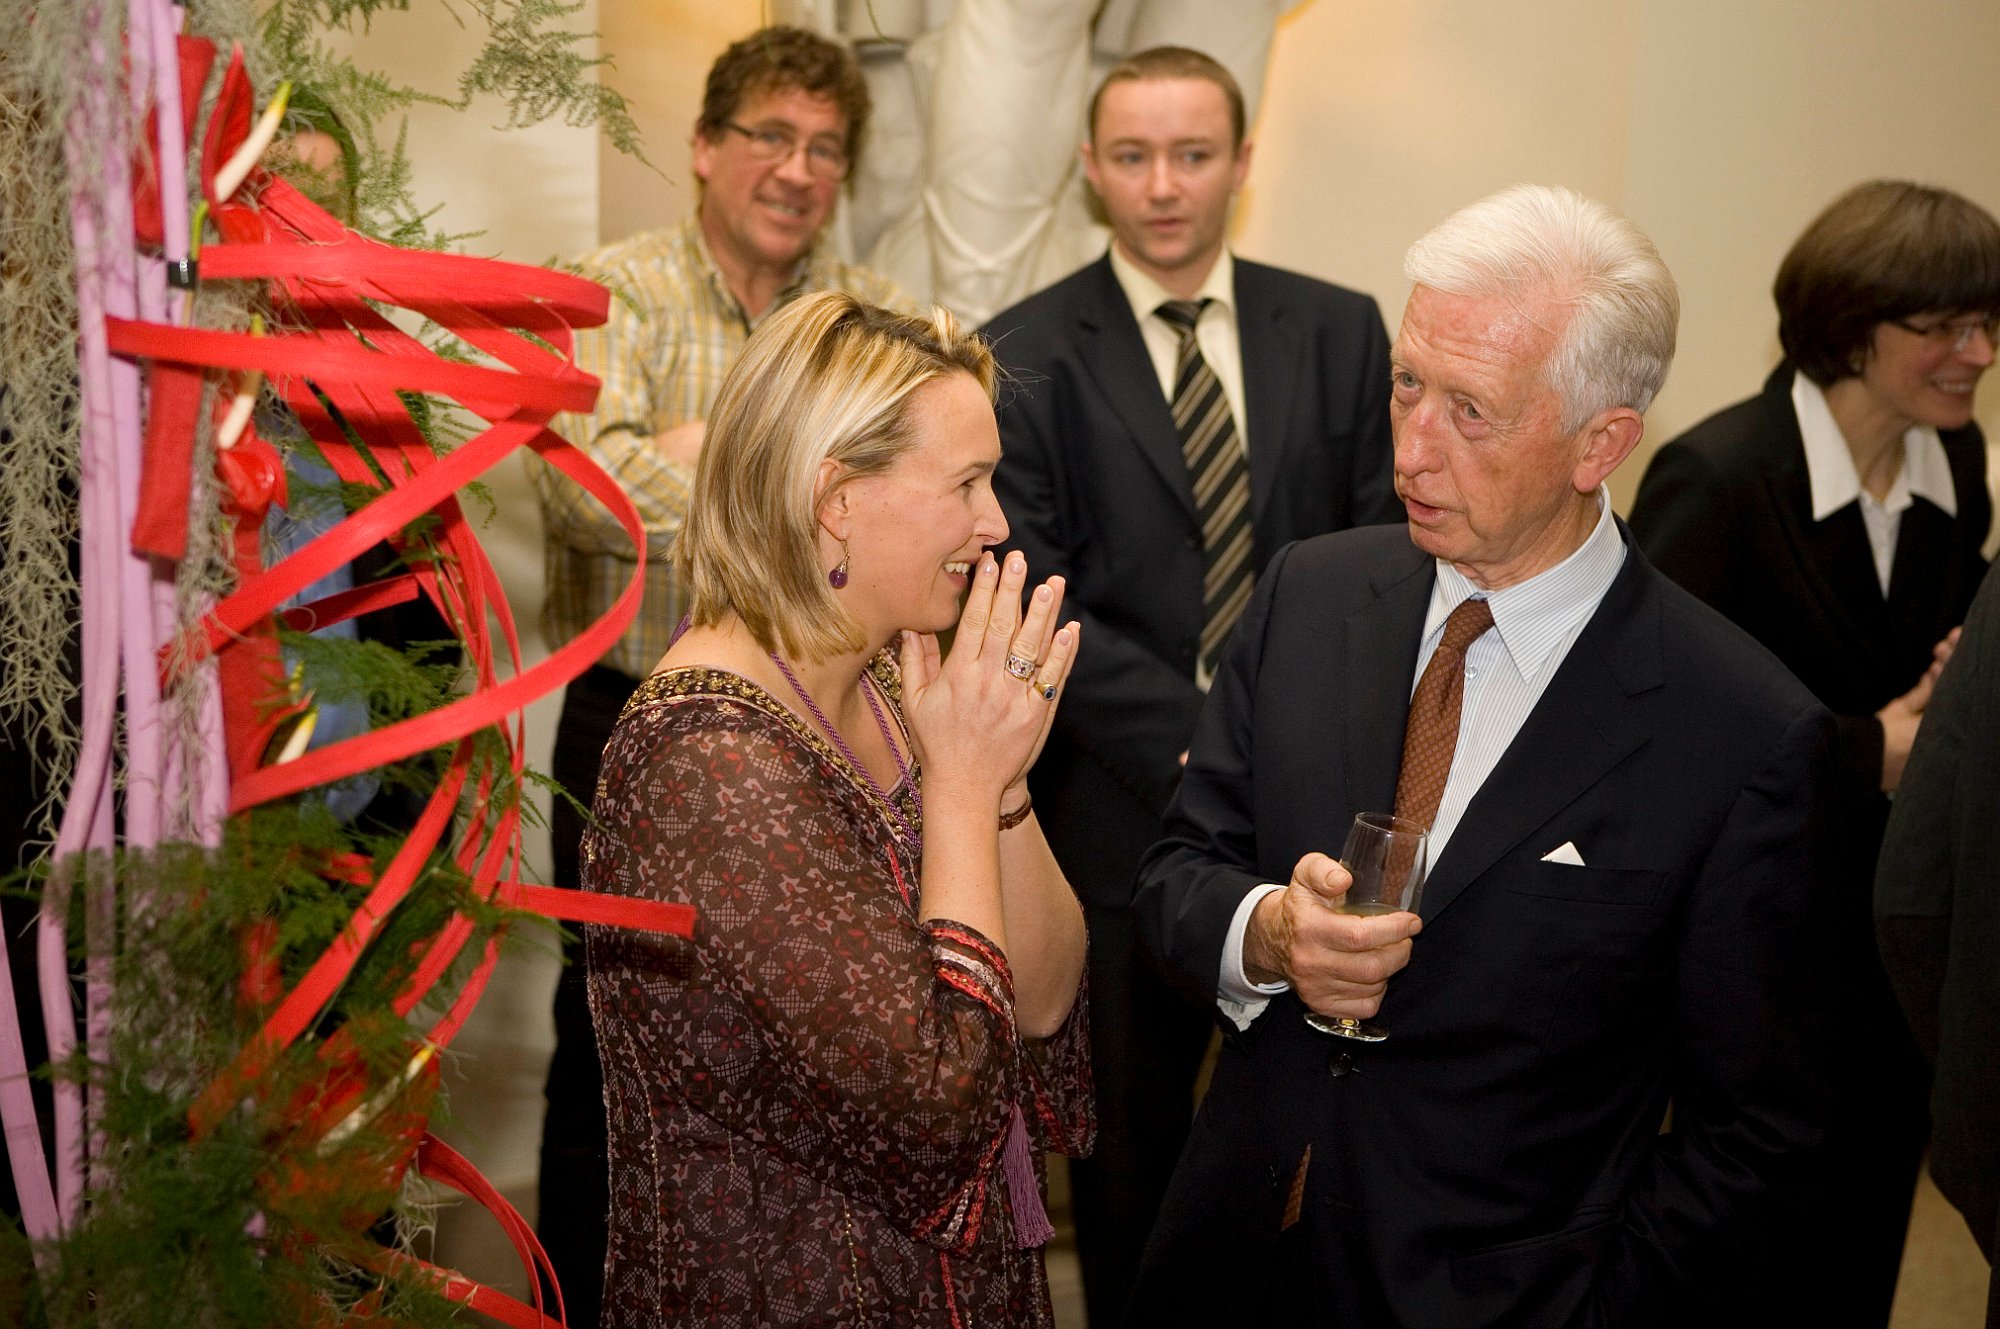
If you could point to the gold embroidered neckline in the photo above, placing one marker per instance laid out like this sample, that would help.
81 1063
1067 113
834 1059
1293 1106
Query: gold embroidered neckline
689 682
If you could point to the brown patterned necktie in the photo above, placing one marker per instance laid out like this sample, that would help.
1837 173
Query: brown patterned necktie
1221 479
1431 736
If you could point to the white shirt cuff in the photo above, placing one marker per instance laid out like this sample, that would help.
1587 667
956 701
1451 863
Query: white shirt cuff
1237 997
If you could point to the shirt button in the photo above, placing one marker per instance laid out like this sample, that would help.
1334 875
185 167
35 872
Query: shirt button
1339 1064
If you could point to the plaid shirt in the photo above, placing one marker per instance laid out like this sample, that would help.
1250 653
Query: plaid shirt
673 333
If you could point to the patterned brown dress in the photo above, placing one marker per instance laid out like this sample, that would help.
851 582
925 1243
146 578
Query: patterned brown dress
807 1101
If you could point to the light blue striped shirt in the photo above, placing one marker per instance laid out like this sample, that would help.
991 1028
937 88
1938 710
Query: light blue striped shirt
1535 622
1507 668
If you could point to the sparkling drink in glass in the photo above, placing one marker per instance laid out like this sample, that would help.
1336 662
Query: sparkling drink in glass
1386 857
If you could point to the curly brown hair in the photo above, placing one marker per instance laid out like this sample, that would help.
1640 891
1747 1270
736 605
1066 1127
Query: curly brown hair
780 59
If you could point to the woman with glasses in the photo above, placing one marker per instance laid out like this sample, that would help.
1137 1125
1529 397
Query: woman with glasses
1838 517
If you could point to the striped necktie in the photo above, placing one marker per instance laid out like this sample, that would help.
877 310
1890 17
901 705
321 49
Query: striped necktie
1221 479
1430 737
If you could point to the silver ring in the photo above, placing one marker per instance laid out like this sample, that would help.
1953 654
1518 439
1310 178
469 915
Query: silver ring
1048 690
1019 667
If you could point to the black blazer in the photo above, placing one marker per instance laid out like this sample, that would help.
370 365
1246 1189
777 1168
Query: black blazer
1095 488
1937 903
1498 1160
1726 511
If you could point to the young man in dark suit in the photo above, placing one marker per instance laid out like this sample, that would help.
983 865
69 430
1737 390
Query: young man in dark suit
1623 907
1178 414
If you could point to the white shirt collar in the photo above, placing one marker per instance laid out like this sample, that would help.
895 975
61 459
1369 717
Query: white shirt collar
1925 473
1533 616
1146 294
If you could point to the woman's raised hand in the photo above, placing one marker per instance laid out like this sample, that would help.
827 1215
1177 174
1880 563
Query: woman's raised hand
982 715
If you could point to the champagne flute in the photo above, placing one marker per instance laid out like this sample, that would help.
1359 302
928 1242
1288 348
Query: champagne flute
1385 854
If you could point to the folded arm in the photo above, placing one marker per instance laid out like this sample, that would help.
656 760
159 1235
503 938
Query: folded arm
630 433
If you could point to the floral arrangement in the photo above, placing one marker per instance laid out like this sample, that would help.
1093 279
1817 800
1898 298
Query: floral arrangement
255 934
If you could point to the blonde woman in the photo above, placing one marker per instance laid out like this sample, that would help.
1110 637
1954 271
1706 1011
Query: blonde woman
829 1106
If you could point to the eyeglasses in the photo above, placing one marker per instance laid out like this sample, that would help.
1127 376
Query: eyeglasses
1955 334
775 143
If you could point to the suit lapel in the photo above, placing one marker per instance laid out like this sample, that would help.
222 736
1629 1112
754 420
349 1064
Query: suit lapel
1837 560
1921 577
1272 359
1833 555
1382 641
1584 725
1114 355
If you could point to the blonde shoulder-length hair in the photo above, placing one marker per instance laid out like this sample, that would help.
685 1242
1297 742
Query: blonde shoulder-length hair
828 377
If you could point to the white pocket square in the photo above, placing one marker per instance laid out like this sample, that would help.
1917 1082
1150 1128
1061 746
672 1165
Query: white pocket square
1564 853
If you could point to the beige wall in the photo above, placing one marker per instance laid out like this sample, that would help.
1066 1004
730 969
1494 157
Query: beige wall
663 51
1720 127
1748 118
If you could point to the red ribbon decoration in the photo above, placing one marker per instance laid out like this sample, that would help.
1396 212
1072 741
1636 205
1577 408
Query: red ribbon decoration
340 364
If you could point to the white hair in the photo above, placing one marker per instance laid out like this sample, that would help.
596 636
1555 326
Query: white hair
1545 241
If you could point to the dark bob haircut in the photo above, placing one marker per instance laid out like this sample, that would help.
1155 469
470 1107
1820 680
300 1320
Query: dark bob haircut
1882 251
782 59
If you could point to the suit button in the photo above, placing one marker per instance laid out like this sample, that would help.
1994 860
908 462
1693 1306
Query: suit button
1339 1064
1194 540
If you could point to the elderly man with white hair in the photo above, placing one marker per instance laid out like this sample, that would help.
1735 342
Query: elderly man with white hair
1621 791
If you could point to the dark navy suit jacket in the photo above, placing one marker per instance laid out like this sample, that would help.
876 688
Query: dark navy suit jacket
1095 488
1499 1161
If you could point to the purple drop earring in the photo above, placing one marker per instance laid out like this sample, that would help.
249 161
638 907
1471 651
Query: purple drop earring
838 577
